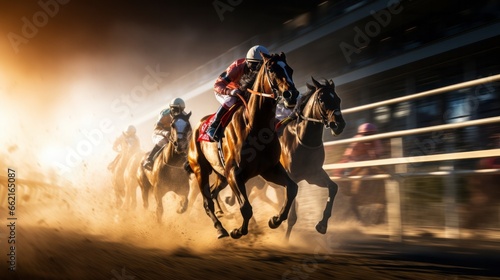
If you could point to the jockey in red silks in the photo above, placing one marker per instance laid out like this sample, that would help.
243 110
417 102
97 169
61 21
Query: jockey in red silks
366 150
227 86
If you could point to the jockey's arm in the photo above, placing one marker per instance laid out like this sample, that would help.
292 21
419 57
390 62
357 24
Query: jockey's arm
163 125
229 79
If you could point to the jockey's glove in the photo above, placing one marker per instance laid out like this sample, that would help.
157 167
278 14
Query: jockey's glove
235 92
165 133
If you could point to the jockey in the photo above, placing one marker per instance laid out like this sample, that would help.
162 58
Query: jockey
128 140
227 86
162 128
366 150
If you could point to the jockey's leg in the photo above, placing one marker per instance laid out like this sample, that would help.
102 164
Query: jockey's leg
213 130
227 101
160 141
148 164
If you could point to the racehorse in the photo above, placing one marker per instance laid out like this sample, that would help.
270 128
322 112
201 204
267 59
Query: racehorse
250 146
167 174
119 180
130 178
302 150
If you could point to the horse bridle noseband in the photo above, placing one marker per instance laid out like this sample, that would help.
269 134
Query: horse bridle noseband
324 118
275 95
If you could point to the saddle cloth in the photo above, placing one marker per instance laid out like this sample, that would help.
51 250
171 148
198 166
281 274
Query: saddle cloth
224 121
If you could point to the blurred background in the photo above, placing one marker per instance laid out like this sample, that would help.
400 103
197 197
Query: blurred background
75 74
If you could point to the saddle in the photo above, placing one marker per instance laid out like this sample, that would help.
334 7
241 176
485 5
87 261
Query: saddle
226 118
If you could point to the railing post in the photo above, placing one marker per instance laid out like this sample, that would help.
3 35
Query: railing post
393 193
451 218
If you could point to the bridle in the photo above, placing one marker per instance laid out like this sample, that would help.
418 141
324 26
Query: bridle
174 142
275 95
324 118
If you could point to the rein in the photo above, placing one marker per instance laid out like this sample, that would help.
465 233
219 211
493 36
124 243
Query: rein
274 88
263 94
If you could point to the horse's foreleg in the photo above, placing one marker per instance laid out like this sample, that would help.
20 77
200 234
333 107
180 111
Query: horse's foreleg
279 176
216 188
159 206
193 191
292 219
145 187
239 189
324 181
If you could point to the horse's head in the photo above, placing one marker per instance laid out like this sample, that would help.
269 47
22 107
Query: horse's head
326 105
180 133
279 74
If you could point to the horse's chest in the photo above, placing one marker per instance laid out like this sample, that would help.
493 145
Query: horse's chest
261 151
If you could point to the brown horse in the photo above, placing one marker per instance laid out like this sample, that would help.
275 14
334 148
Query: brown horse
168 173
130 178
119 180
302 150
250 146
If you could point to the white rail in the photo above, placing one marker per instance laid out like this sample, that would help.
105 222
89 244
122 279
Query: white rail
392 180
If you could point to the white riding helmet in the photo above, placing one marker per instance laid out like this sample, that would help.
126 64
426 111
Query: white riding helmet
177 103
253 53
176 106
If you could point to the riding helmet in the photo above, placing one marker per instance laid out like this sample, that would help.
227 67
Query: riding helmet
367 129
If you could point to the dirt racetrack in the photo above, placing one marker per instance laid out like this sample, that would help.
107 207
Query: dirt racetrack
82 237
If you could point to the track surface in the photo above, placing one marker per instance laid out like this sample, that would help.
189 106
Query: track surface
63 240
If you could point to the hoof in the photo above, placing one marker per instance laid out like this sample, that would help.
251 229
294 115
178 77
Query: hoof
235 234
222 233
274 222
321 228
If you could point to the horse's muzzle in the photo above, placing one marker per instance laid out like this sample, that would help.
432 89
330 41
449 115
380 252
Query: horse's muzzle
337 127
290 97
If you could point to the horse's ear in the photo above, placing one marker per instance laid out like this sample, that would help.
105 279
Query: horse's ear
189 115
332 83
265 56
316 83
282 56
309 86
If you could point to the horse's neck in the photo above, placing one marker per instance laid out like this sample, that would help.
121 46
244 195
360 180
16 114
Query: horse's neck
261 110
169 156
308 132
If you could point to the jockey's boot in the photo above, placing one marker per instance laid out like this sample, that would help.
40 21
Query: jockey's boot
148 164
214 130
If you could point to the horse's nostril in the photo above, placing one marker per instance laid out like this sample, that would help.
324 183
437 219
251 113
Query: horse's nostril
287 94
